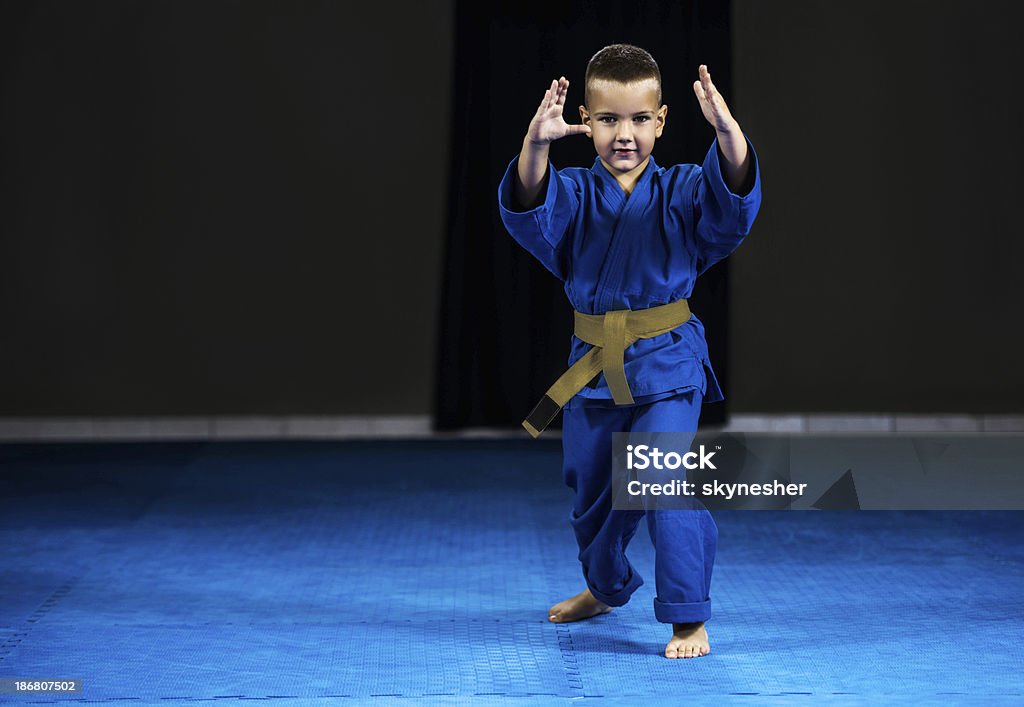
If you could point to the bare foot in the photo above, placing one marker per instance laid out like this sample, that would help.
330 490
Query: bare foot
582 606
688 641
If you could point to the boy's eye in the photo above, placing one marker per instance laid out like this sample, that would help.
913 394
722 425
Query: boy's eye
642 118
606 119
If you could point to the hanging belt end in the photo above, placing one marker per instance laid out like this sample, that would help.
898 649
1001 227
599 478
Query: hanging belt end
534 432
541 416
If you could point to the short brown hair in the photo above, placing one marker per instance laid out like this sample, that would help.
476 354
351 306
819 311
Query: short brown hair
623 63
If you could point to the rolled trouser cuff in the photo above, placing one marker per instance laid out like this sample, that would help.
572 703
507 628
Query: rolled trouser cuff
620 597
682 613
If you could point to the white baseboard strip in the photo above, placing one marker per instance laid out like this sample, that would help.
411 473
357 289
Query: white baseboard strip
55 429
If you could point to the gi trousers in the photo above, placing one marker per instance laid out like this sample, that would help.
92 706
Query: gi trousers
684 540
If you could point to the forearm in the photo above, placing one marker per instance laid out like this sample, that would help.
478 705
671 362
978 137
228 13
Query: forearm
736 164
530 173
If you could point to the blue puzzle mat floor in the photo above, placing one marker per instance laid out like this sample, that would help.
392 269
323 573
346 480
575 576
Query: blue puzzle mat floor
420 572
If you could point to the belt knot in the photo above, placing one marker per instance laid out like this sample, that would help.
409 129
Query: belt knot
609 334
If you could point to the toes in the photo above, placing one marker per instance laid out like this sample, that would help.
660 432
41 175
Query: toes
697 651
679 648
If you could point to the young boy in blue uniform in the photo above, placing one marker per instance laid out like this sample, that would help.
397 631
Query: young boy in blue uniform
629 238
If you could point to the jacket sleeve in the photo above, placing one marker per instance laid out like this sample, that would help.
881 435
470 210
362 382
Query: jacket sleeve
543 231
723 218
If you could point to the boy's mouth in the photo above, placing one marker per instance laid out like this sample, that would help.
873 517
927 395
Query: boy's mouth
623 153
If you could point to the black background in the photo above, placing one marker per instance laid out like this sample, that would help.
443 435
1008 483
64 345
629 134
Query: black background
245 207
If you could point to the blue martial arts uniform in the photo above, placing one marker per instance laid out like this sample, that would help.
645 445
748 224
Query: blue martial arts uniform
616 251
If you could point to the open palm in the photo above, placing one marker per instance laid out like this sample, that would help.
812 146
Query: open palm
711 102
548 124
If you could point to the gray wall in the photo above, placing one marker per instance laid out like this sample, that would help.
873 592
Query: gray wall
883 273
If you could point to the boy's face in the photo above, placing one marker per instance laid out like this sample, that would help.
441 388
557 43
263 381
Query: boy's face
624 119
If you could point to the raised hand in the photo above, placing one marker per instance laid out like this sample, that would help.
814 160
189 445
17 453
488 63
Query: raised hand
548 124
712 103
731 140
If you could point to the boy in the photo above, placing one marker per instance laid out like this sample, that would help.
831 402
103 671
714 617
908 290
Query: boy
629 238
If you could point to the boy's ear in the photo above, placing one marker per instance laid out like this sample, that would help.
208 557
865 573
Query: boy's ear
585 117
660 120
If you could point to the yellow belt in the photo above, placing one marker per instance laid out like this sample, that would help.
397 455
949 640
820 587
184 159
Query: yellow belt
610 334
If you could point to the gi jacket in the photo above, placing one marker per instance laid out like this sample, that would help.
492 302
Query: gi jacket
617 251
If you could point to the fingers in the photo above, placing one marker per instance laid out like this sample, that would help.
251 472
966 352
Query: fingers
550 95
563 91
705 81
554 96
711 102
578 129
707 106
543 104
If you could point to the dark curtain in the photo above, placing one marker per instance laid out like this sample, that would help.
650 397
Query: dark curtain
505 323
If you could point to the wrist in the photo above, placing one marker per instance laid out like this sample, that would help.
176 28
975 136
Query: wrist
534 146
730 131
